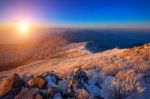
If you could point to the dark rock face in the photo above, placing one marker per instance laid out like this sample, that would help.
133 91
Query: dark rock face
11 94
37 82
11 86
71 88
77 82
52 79
48 87
55 78
18 82
26 93
80 78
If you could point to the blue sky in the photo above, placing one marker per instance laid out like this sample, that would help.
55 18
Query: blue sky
77 12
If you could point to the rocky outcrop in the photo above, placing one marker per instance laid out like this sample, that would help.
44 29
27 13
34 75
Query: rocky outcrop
49 86
11 86
32 93
6 86
52 79
80 77
37 82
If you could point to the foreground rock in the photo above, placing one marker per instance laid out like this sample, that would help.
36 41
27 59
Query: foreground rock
37 82
6 86
11 86
52 79
80 77
32 93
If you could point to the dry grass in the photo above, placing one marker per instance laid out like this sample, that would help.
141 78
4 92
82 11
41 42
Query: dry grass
82 94
125 84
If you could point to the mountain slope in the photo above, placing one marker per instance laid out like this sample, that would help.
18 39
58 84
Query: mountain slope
112 74
13 55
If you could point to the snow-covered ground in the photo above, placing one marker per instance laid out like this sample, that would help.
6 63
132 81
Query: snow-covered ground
111 74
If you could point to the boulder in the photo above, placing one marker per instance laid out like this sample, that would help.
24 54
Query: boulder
17 81
11 83
11 94
80 77
6 86
32 93
37 82
83 94
71 88
79 74
52 80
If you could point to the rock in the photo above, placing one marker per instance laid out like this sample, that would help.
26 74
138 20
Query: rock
37 82
99 97
77 82
6 86
80 77
57 96
32 93
98 83
39 96
18 82
83 94
11 94
11 83
51 92
52 80
72 88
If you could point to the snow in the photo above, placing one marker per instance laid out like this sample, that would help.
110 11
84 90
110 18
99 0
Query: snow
57 96
92 89
93 64
50 81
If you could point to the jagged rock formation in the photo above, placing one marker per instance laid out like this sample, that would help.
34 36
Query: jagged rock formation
46 87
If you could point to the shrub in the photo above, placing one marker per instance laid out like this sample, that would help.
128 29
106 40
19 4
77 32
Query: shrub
111 69
82 94
125 84
142 66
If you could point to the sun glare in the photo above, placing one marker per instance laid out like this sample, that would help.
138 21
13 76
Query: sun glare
23 27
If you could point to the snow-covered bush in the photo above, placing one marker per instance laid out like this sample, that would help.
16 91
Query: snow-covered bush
126 83
82 94
141 66
111 69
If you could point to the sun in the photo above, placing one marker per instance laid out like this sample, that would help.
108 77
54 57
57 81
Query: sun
23 27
